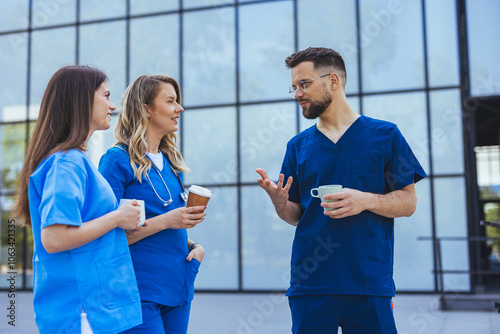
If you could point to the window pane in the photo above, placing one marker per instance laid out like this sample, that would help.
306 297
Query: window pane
451 221
413 260
218 234
484 46
442 42
267 242
446 133
205 3
209 145
12 254
13 62
340 17
152 6
391 45
162 36
106 54
47 13
264 45
408 112
14 15
265 130
51 50
209 61
96 10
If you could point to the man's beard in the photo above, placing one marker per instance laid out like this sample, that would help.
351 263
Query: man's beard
316 108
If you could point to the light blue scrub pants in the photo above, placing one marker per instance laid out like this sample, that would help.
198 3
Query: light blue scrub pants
161 319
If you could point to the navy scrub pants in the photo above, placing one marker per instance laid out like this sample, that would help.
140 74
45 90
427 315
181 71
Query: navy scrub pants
323 314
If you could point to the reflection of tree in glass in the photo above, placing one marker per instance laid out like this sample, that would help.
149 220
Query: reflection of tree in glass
12 141
492 213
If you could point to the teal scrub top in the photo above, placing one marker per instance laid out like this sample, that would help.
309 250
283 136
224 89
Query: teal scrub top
67 189
352 255
163 274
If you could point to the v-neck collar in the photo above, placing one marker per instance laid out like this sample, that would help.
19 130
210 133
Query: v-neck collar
343 140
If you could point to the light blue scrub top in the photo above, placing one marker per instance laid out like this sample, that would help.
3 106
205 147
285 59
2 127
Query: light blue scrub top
67 189
352 255
163 274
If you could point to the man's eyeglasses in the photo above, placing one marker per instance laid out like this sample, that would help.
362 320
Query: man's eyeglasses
301 85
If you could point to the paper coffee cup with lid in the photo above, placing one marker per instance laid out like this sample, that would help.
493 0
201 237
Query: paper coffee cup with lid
198 196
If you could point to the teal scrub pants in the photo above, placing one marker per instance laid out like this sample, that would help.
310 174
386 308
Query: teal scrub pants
323 314
161 319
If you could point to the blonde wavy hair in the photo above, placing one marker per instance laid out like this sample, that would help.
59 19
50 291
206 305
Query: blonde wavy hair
132 124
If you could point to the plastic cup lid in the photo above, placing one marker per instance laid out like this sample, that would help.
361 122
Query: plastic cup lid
200 191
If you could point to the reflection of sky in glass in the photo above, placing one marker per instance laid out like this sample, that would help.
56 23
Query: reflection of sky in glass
54 48
209 57
163 37
220 264
13 54
204 3
107 54
413 261
442 42
266 262
97 9
47 13
451 220
446 132
408 112
209 141
484 46
264 133
152 6
333 26
391 45
266 39
13 15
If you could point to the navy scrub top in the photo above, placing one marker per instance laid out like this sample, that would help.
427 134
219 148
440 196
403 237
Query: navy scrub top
163 274
67 189
352 255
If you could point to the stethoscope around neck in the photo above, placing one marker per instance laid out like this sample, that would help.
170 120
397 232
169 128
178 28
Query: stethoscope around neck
165 203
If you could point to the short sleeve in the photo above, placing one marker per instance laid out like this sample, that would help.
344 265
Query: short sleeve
114 166
63 194
288 169
403 168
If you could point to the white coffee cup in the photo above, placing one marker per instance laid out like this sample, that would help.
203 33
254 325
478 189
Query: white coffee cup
320 193
143 209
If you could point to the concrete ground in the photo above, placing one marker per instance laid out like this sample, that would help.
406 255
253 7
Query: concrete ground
268 313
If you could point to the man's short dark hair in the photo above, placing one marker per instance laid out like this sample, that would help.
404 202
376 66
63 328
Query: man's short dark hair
321 58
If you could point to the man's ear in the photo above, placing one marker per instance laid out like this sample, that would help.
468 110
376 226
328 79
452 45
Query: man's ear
334 80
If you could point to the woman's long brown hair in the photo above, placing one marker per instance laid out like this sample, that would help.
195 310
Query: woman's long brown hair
63 124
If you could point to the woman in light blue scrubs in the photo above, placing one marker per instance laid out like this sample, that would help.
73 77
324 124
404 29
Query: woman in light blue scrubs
83 276
147 165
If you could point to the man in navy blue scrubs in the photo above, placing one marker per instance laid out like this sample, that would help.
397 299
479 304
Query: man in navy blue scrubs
342 260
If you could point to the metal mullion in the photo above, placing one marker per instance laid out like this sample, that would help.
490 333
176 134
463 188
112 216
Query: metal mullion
238 142
360 70
429 140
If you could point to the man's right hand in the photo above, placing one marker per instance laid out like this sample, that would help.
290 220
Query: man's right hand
277 193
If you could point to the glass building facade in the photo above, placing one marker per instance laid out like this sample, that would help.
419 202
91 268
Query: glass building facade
411 62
